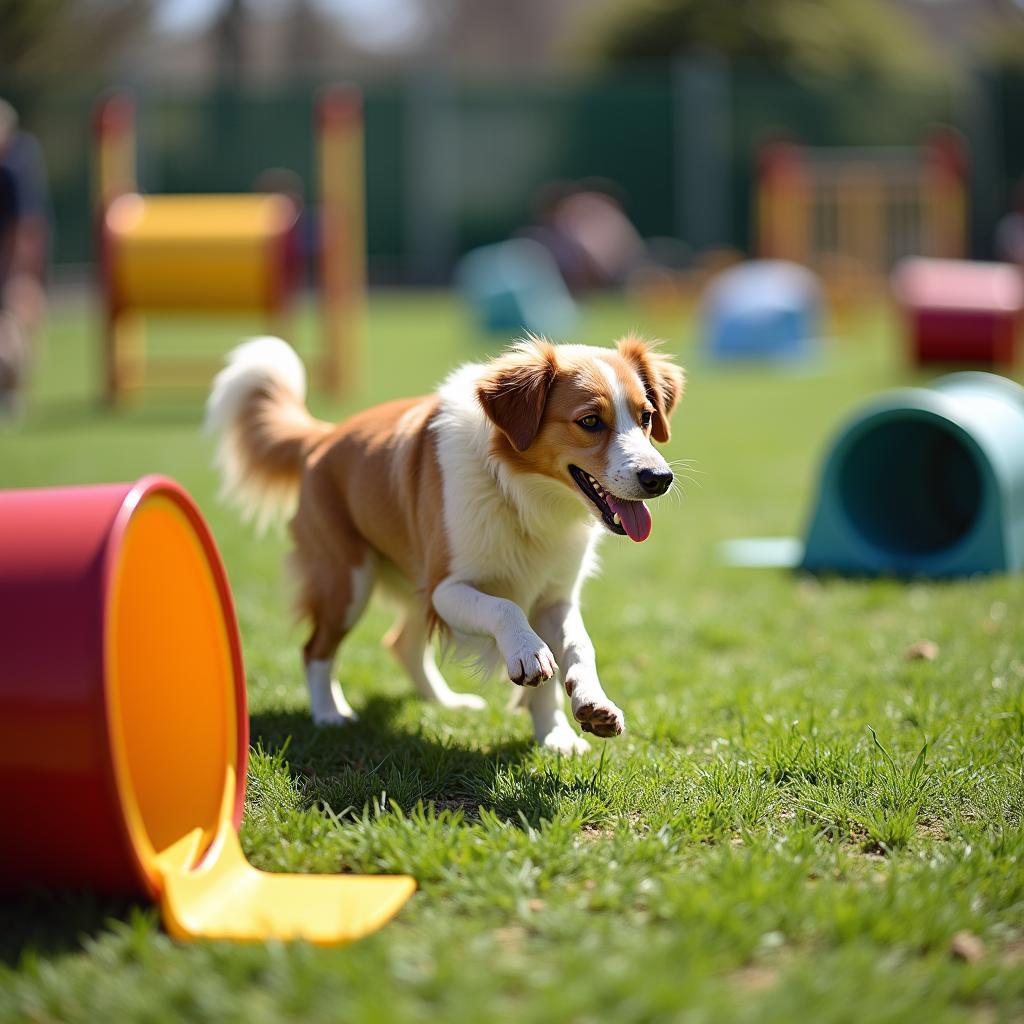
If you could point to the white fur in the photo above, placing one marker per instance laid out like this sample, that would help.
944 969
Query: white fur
519 537
252 363
551 727
631 450
408 640
521 546
528 660
562 625
326 700
256 363
522 532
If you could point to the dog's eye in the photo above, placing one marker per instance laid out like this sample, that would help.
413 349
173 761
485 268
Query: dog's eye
592 423
645 418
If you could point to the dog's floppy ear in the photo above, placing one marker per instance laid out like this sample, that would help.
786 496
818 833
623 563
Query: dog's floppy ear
515 391
663 381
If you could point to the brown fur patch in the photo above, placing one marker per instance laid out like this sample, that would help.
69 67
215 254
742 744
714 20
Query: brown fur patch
266 445
515 392
278 433
374 481
577 389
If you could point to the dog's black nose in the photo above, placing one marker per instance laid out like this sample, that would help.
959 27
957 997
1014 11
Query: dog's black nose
655 483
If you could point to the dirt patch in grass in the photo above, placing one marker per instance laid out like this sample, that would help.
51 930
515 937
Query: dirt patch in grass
1013 954
933 830
755 978
470 808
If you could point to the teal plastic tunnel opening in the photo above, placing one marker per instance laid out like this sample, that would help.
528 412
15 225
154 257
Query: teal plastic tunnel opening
911 485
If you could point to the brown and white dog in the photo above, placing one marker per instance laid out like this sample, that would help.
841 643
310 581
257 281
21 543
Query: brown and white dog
479 508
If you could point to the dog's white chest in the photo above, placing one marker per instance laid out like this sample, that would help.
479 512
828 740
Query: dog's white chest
521 558
516 537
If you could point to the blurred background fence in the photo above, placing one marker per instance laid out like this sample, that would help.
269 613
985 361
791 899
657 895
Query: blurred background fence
454 162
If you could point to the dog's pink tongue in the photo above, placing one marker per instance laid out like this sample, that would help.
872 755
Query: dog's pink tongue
633 515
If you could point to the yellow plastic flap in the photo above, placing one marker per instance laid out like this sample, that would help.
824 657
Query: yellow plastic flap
225 897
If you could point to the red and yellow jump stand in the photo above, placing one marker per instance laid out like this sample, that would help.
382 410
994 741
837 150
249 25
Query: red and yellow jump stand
342 231
124 734
849 213
174 253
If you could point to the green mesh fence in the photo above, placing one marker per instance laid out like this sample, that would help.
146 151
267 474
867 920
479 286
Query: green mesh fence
454 164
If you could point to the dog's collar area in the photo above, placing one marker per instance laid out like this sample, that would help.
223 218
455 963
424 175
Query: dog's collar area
595 492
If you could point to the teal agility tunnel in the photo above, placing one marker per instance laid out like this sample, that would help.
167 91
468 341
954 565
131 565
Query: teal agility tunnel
516 286
925 482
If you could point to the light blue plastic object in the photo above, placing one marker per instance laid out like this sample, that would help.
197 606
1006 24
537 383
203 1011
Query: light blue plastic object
768 310
516 286
925 481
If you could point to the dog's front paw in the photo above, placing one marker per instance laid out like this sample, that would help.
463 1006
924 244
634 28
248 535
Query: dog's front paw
564 740
600 717
530 662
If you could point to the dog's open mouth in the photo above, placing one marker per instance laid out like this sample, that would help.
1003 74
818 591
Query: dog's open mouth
626 518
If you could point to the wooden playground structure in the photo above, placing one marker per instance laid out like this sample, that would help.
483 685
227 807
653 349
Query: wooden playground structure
852 213
227 252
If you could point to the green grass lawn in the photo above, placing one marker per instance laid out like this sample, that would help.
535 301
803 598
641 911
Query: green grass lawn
796 827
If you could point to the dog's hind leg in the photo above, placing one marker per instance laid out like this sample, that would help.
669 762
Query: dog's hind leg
410 644
335 611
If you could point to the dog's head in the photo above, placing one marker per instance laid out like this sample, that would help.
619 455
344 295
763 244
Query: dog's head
586 417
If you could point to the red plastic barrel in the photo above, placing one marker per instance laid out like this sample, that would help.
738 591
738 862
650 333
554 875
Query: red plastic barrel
123 722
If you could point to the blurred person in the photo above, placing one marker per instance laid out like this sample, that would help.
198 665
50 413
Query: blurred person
570 256
24 238
598 223
587 231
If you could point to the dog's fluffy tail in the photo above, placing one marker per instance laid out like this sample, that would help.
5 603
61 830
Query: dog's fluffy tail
257 406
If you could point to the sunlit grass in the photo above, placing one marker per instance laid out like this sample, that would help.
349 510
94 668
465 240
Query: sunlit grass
795 826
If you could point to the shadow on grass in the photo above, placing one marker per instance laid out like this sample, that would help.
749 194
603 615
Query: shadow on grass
53 922
346 769
379 756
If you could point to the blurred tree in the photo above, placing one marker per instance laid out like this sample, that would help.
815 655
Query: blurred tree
822 38
43 41
1001 42
999 57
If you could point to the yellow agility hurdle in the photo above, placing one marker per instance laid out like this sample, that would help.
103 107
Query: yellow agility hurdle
167 253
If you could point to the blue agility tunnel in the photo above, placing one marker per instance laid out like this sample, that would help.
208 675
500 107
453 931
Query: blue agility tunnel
768 310
925 482
516 286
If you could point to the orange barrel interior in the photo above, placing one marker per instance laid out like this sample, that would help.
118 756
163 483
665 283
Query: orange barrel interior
123 725
123 721
172 699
